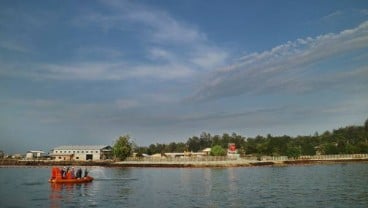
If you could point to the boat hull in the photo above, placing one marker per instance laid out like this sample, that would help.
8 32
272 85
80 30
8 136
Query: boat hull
75 180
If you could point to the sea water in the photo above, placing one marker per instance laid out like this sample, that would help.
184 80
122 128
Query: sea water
332 185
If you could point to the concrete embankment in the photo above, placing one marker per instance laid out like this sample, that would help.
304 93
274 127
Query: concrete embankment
193 164
13 162
180 164
233 163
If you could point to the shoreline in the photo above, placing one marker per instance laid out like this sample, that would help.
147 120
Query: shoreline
173 164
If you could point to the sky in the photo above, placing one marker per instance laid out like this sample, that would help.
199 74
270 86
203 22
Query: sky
87 72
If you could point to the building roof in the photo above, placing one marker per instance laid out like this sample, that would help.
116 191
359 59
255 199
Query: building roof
207 150
81 147
36 151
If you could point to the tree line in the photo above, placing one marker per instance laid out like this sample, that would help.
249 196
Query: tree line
347 140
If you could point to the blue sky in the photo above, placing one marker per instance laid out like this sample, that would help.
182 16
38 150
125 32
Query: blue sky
77 72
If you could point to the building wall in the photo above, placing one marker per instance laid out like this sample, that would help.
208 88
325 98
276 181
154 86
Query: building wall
63 157
79 155
34 154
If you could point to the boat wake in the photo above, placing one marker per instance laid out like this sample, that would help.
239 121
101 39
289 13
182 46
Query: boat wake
35 183
115 179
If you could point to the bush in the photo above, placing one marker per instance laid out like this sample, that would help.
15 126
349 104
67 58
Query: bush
217 150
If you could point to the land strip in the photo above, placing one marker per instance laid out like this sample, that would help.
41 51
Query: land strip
174 164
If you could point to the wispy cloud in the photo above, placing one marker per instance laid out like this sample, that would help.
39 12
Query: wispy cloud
111 71
333 15
284 67
363 12
14 46
168 49
97 53
163 36
210 58
161 27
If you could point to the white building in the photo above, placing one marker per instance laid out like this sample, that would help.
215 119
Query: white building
82 152
33 154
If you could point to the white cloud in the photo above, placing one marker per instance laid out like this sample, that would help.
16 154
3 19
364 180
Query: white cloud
210 59
99 71
170 71
173 49
165 28
333 15
161 54
283 65
158 26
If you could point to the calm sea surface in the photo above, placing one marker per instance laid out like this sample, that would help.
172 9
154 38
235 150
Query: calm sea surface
337 185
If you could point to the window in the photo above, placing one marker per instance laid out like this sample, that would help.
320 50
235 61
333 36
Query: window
82 151
77 158
69 151
77 151
64 151
87 151
96 151
73 151
59 157
56 151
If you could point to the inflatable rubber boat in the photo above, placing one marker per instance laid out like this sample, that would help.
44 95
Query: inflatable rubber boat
57 176
86 179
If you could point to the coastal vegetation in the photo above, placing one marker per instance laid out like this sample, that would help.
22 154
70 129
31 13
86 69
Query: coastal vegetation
217 150
123 147
347 140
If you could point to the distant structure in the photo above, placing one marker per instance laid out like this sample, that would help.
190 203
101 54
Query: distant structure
232 151
231 148
34 154
17 156
82 152
207 151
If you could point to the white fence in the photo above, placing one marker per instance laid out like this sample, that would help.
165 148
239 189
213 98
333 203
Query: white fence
249 158
180 159
334 157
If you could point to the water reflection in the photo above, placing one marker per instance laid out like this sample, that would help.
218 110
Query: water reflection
233 180
61 193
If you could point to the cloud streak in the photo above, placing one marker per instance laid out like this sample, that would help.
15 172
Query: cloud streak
285 68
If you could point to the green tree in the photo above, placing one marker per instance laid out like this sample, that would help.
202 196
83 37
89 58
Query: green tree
330 149
123 147
217 150
293 151
193 144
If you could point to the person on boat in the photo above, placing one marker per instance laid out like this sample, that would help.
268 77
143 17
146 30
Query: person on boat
79 173
69 174
73 172
85 172
63 172
56 173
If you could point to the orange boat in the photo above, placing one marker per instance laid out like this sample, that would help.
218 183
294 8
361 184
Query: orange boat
86 179
56 177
